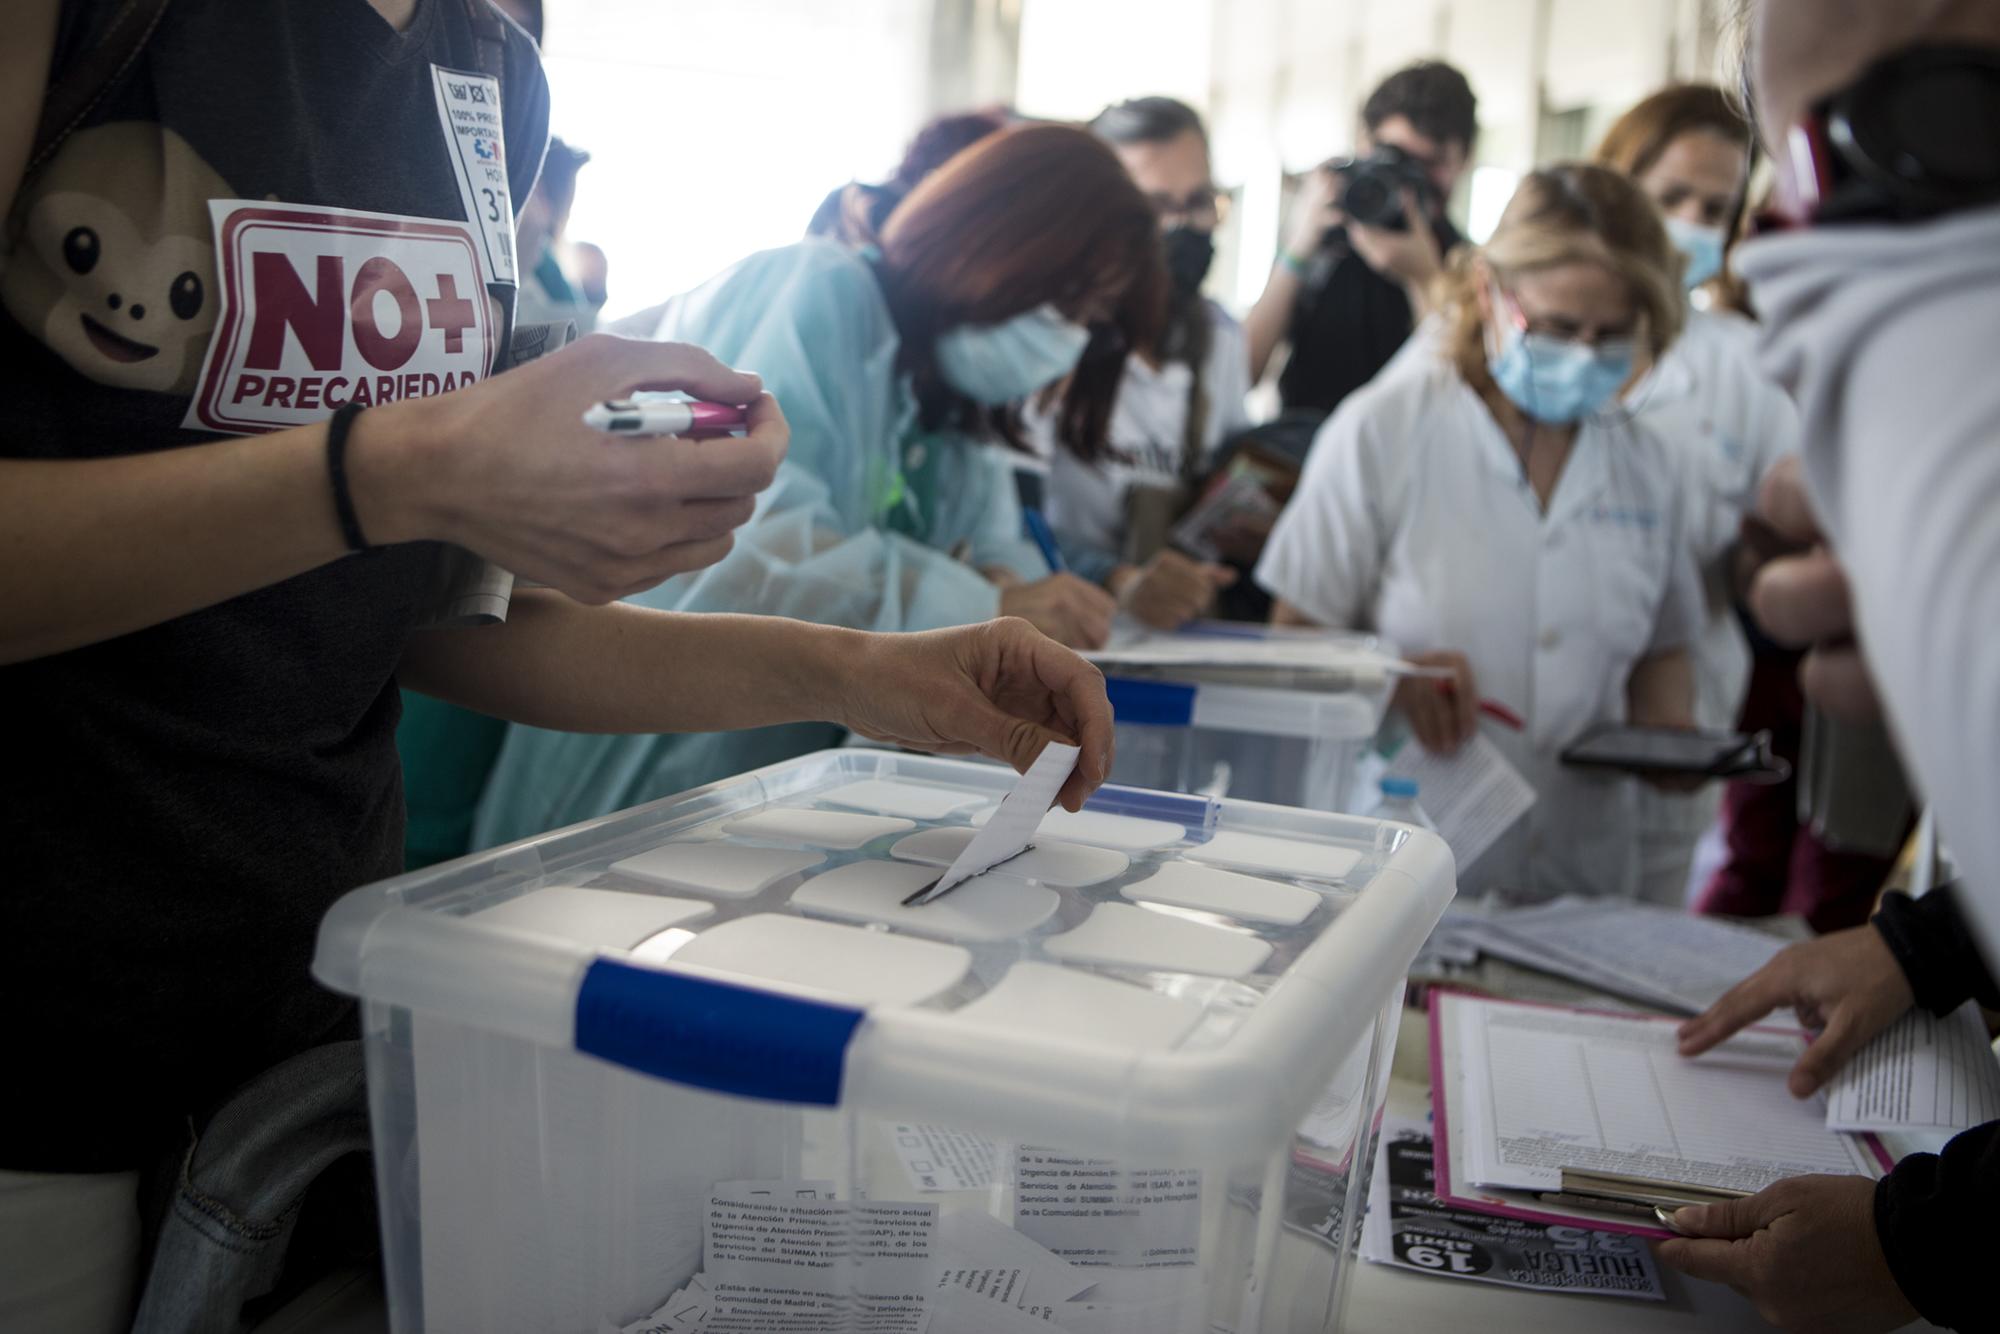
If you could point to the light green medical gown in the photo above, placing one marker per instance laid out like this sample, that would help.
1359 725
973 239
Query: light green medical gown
857 530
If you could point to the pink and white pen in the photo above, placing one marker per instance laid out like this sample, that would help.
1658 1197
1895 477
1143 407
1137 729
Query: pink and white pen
665 416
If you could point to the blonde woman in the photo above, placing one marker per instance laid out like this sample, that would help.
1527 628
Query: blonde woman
1487 505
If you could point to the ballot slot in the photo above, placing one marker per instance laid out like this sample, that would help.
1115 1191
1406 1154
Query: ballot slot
574 1190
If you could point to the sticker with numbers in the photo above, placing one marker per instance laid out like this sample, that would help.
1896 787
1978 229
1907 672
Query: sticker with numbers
469 110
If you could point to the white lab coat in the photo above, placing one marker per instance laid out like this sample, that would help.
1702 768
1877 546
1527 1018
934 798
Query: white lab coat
1733 422
1414 520
1086 501
1730 423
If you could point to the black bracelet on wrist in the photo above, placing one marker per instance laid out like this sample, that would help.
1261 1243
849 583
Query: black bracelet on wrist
336 471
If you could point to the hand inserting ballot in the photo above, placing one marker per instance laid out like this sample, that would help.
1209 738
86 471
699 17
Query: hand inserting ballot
1000 689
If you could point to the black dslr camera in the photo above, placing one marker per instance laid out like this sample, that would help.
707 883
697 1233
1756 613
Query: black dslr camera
1373 186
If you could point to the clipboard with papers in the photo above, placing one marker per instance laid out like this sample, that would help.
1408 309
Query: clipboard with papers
1592 1119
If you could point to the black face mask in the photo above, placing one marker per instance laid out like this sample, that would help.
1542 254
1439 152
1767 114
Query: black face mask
1189 253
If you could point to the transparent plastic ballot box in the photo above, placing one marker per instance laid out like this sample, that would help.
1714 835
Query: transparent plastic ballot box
1255 712
693 1066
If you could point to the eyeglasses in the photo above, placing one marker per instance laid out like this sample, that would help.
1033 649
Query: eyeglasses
1204 208
1607 342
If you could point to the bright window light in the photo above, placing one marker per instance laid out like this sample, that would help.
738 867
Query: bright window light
1492 187
715 131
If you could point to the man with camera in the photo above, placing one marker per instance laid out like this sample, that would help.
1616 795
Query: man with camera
1368 236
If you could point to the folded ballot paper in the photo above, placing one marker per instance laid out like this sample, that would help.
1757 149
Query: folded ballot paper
1010 828
1555 1115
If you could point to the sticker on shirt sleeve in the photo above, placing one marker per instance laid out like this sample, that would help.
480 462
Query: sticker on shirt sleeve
469 109
321 307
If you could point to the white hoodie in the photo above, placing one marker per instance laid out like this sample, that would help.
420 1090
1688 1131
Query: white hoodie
1888 336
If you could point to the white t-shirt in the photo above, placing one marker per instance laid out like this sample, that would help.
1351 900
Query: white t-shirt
1086 501
1414 520
1733 422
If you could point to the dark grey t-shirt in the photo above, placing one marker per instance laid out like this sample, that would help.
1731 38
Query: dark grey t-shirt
184 802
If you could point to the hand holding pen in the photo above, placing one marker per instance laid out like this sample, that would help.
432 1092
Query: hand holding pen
1443 704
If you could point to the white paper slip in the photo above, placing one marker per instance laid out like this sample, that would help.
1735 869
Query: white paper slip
754 1308
1041 998
1312 653
1070 865
819 829
1013 823
988 907
1127 833
847 962
1473 797
1675 960
887 797
1922 1073
965 1303
973 1236
724 869
1261 852
1130 937
1095 1212
1252 898
940 1159
796 1234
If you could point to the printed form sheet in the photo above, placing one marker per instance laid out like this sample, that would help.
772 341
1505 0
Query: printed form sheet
1546 1089
1473 797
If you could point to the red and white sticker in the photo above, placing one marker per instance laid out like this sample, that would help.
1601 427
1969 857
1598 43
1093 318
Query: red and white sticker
321 307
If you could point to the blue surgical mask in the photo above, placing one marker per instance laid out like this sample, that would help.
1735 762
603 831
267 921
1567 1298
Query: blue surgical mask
1006 362
1553 380
1702 246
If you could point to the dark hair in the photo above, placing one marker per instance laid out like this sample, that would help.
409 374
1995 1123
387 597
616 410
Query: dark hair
1432 96
558 179
941 141
858 208
1147 120
1636 139
1083 421
1034 215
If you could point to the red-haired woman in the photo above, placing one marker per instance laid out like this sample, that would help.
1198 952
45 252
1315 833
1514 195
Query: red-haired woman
900 359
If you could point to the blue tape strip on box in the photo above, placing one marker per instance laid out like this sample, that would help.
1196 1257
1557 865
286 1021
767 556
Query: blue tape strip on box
714 1035
1152 703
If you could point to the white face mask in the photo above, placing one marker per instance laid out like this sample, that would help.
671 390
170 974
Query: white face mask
1005 362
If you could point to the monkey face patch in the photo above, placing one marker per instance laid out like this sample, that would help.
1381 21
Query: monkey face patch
113 263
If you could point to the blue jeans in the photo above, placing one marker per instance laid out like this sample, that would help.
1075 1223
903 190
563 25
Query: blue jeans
232 1204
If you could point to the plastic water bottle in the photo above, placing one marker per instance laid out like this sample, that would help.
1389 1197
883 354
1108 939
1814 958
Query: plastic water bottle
1399 803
